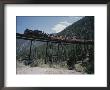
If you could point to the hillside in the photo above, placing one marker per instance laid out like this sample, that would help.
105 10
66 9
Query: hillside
82 29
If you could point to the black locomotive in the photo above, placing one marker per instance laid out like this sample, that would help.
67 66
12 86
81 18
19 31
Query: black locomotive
35 34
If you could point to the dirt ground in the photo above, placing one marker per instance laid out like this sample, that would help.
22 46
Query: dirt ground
22 69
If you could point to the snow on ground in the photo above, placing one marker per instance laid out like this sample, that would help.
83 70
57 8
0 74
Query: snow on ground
22 69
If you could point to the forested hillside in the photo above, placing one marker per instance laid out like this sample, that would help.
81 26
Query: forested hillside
82 29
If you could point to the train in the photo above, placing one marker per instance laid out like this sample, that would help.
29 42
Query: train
41 34
35 33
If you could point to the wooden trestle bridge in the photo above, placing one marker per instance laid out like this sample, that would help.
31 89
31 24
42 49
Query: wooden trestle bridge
48 40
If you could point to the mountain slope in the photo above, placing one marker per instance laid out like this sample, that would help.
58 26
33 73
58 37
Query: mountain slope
82 29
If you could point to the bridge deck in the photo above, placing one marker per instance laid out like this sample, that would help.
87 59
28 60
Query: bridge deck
76 41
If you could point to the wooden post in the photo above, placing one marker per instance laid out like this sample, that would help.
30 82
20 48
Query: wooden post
30 50
75 46
46 54
58 53
85 52
63 52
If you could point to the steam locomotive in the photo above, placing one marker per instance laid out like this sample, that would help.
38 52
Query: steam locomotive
35 33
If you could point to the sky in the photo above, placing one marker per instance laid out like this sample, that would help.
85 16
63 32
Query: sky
48 24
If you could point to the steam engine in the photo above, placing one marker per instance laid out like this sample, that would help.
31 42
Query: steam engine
35 33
